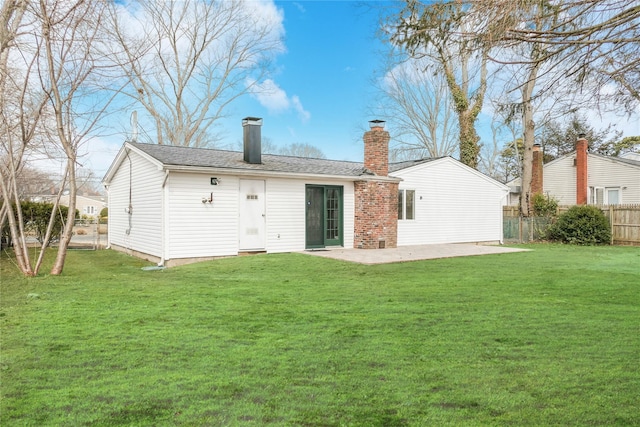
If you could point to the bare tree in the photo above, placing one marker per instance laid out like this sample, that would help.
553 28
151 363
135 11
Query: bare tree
536 75
418 110
189 60
301 150
294 149
74 62
490 161
593 41
594 44
21 110
432 31
51 96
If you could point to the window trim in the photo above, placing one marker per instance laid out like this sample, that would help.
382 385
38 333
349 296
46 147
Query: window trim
403 209
593 195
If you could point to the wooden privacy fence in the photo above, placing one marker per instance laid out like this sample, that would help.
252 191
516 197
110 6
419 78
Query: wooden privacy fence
624 220
625 224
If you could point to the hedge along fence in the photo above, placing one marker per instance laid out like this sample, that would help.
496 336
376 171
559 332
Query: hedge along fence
624 221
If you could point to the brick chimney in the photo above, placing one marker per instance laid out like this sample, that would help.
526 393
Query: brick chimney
582 147
537 176
376 148
252 139
376 197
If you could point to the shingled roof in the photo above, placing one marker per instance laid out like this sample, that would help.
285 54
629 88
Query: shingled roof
394 167
222 159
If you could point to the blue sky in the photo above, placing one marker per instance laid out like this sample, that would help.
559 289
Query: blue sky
322 86
322 81
326 73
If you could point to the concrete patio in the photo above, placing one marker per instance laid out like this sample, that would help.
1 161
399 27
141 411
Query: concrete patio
411 253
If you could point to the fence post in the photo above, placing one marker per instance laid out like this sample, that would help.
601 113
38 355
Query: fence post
520 228
611 222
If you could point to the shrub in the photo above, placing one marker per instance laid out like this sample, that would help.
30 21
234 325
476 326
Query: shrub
544 206
581 225
36 219
104 216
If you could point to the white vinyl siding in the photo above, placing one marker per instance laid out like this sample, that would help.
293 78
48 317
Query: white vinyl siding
285 215
559 180
453 204
196 229
143 232
286 226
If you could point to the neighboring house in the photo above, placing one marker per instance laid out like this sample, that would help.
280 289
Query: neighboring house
87 206
175 204
581 177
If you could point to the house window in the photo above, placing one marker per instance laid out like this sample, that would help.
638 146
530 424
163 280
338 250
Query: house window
612 196
406 204
604 196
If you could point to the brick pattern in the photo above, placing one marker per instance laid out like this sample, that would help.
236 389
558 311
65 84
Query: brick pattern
376 215
581 171
376 202
376 151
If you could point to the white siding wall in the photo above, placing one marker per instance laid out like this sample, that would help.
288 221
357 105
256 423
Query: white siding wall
349 214
196 229
286 213
609 173
560 178
453 205
146 192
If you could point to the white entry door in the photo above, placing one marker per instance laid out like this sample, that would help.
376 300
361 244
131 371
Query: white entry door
252 215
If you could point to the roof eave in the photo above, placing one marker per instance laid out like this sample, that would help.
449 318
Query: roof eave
257 172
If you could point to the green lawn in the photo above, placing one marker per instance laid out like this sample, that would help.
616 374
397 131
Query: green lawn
547 337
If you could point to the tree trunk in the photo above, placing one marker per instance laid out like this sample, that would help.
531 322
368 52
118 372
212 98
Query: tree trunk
526 198
17 237
469 138
67 232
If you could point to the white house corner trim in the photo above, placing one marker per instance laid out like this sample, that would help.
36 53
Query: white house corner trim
164 226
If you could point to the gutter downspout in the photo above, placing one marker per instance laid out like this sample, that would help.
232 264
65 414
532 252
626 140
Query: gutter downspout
162 219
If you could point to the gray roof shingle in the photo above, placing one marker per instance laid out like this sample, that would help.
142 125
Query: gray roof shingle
221 159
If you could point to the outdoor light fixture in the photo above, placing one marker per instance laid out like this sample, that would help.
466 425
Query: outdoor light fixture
215 181
376 124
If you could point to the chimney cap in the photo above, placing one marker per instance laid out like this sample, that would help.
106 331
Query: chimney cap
252 121
376 124
582 135
537 146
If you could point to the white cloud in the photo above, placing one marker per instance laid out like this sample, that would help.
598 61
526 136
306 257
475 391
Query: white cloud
276 101
300 7
271 96
297 105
